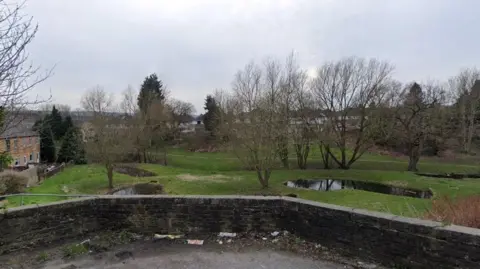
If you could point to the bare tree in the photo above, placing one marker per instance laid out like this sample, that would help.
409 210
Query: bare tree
128 104
276 82
250 119
347 92
181 113
418 114
296 109
17 75
169 119
467 104
109 138
304 129
98 101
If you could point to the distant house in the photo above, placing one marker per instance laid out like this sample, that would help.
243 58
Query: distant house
193 125
22 143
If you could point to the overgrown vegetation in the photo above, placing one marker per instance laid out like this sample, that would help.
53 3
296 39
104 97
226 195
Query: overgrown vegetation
12 182
74 250
42 256
464 211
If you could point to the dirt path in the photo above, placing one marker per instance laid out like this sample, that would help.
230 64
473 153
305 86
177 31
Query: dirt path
198 257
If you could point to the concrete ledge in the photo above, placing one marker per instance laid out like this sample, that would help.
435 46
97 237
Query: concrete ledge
379 237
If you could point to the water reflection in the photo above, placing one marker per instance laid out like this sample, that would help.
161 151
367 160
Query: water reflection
333 184
142 188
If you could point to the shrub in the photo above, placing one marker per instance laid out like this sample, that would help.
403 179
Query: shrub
42 256
5 160
73 250
11 182
463 211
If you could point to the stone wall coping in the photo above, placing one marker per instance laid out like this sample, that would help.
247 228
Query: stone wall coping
214 197
389 217
460 229
38 206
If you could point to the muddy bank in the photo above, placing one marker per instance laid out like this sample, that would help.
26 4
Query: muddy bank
133 171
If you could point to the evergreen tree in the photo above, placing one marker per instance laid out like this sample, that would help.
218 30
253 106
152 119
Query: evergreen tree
56 123
151 90
67 124
70 146
38 125
81 157
47 145
211 118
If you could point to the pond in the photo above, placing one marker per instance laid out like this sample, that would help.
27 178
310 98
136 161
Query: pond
139 189
335 184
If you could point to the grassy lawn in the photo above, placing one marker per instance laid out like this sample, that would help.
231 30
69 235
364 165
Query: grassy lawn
220 161
220 173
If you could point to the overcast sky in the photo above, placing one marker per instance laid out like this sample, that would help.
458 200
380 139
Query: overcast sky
196 46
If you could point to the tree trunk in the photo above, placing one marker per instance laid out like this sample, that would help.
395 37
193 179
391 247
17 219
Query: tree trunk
165 161
342 163
302 152
110 175
266 177
412 163
263 177
283 152
325 152
413 158
144 156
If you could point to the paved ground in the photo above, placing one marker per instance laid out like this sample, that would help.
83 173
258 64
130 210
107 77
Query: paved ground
198 257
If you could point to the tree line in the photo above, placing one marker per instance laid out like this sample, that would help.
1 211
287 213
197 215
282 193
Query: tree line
60 139
275 109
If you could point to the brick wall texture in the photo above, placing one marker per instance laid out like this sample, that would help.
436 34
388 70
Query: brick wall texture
390 240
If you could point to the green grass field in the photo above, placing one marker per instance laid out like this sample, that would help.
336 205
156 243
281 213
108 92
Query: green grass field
222 174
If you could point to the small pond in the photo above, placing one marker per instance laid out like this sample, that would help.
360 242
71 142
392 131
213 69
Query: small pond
139 189
334 184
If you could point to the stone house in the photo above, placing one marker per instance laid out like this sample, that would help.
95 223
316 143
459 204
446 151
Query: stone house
22 143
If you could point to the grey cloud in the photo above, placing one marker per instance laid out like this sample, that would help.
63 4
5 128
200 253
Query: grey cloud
196 46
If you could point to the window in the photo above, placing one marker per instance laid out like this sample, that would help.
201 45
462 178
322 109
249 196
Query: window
24 160
30 141
7 144
16 162
38 157
15 144
31 157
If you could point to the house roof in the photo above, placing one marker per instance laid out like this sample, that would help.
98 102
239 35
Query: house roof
21 129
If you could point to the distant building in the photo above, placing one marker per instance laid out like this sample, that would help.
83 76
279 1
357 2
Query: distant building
193 125
22 143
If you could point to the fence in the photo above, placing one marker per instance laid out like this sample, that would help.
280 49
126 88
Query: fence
43 174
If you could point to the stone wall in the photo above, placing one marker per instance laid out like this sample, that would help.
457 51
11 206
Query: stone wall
34 225
391 240
387 239
195 214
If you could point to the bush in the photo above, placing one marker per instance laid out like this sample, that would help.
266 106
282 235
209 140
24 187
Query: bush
11 182
463 211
